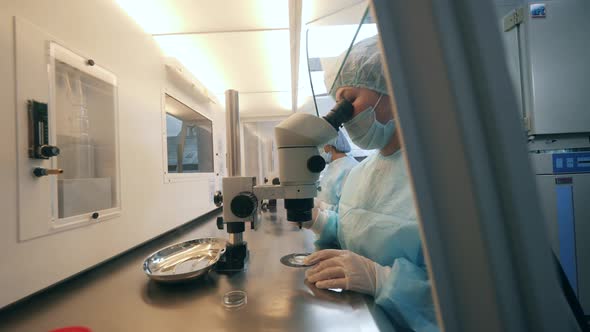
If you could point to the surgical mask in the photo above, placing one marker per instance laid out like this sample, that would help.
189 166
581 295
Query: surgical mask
368 133
327 156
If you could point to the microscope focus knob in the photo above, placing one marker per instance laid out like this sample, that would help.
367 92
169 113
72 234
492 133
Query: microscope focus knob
218 198
316 164
244 205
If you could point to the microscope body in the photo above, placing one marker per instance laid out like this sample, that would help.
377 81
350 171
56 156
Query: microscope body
242 199
298 138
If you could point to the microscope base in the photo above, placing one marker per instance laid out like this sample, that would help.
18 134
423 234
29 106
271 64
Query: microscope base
234 259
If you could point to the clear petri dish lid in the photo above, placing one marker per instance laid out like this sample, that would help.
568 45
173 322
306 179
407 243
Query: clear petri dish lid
235 299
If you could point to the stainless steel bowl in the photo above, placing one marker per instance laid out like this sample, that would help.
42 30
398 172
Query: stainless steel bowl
184 261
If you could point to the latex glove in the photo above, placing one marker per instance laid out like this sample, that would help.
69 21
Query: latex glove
342 269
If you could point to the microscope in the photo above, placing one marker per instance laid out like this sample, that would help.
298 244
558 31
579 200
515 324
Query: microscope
300 164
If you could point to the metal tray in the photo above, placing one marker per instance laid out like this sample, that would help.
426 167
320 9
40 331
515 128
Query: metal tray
184 261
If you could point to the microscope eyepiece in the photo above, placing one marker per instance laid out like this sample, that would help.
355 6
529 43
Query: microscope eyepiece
341 113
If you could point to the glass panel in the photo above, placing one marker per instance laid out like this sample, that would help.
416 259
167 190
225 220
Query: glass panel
189 139
328 42
86 135
328 47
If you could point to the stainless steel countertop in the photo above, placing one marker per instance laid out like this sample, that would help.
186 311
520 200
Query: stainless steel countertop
117 296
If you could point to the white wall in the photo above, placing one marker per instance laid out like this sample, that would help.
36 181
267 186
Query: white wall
149 207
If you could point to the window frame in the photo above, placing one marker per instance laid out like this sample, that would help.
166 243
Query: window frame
183 177
59 52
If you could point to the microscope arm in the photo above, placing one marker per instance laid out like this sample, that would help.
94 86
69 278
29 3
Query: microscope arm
282 192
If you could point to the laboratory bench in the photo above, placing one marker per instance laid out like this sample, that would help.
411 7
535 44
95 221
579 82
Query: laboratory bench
118 296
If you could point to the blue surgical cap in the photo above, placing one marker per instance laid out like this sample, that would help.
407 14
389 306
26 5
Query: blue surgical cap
361 69
340 143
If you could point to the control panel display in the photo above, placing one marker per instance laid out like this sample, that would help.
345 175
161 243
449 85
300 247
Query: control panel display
576 162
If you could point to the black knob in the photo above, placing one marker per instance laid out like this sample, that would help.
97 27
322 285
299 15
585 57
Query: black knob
276 181
244 204
39 172
218 198
220 223
95 215
49 151
316 164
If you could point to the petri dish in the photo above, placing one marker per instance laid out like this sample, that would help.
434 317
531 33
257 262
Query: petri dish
295 260
235 299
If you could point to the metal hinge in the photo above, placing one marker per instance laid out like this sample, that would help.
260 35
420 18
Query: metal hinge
514 18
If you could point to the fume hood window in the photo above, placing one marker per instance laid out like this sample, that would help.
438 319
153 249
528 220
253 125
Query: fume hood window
189 139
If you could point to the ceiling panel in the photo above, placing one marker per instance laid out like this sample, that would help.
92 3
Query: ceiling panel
181 16
203 35
275 103
245 61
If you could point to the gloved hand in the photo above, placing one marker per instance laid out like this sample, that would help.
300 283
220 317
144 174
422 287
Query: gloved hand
344 269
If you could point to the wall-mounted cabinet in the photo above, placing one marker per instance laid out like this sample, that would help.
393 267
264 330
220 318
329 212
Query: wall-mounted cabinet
68 160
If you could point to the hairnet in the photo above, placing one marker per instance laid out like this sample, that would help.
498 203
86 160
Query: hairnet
361 69
340 143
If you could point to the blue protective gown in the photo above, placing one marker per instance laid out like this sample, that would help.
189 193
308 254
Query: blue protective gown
332 181
377 219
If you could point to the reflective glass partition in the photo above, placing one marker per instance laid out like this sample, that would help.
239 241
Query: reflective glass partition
189 139
327 42
85 122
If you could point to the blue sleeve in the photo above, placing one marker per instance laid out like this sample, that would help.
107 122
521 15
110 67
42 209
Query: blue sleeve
405 295
328 237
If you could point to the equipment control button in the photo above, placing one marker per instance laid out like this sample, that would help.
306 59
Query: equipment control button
49 151
218 198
